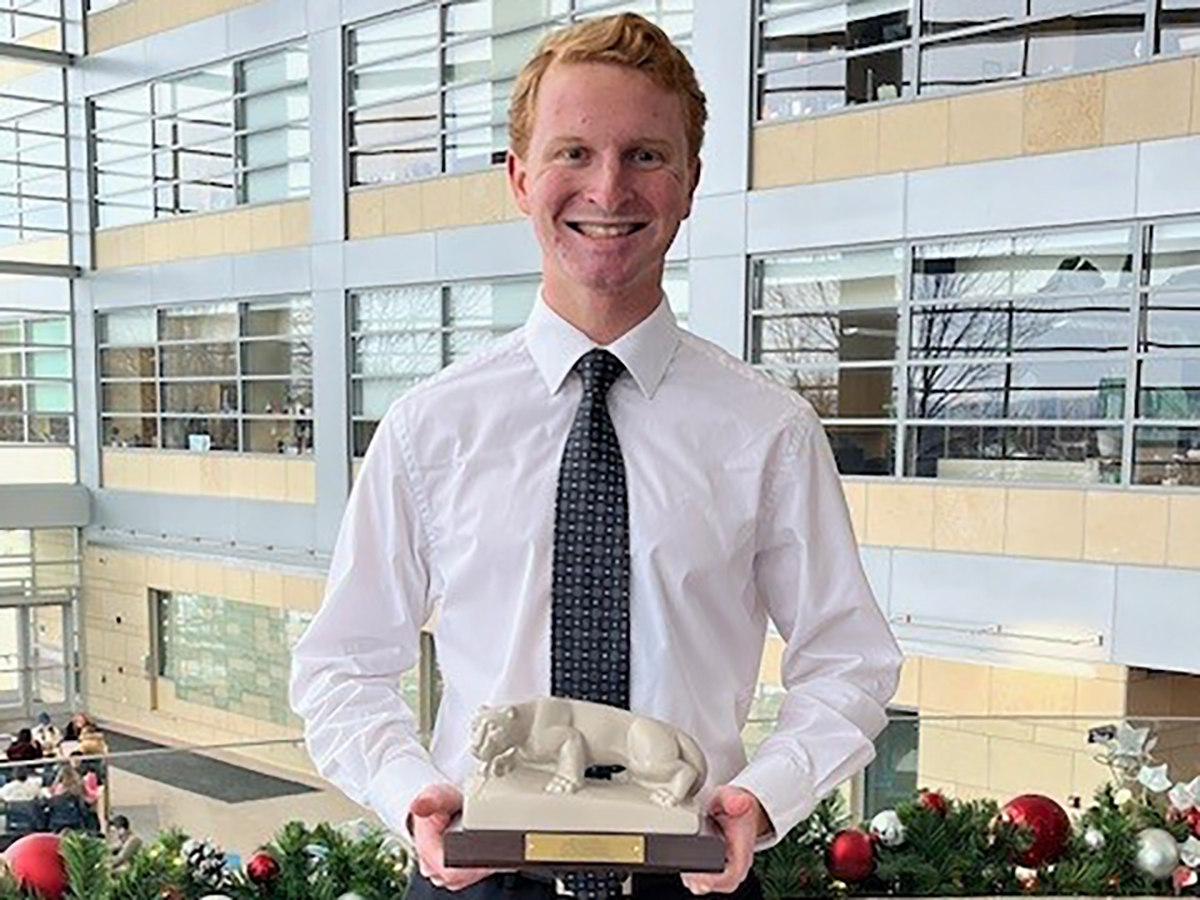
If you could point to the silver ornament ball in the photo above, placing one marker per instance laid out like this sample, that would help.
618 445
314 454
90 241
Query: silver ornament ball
887 827
1094 838
1157 854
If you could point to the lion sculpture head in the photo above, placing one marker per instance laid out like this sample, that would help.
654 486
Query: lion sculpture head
493 732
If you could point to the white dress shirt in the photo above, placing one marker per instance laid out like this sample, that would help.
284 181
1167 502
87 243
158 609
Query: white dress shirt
736 517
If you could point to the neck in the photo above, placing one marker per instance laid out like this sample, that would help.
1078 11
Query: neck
603 317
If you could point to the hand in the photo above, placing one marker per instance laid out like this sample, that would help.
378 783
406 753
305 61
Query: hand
741 819
430 815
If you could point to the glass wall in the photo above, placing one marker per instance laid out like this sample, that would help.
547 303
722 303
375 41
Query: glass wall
400 336
429 88
231 133
37 400
32 23
1033 357
215 376
817 55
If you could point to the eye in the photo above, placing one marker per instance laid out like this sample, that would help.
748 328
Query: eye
646 158
573 154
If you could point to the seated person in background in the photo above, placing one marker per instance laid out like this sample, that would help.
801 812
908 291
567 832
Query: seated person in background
46 734
22 787
124 843
24 747
75 727
91 741
68 781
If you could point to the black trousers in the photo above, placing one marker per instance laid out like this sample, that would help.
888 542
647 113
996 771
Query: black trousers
518 887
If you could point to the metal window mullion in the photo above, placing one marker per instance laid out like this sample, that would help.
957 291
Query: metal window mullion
1140 291
239 417
903 330
1152 38
441 77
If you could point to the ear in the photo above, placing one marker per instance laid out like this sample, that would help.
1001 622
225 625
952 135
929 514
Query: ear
694 175
518 181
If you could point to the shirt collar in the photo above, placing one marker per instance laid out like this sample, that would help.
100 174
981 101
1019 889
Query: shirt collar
645 350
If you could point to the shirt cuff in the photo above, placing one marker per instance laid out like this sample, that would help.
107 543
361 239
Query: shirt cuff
784 787
394 788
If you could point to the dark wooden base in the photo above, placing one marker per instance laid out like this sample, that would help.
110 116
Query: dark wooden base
508 850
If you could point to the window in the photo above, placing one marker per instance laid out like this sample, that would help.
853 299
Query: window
401 336
227 655
37 400
231 133
34 216
820 55
891 777
217 376
1069 356
825 325
429 88
1167 436
1018 356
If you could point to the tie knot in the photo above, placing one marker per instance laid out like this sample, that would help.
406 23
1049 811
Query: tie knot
599 369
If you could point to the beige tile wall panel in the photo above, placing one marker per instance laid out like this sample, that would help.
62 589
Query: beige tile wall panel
365 212
1148 102
771 667
1183 531
908 692
21 464
1017 767
253 476
952 687
482 197
265 224
784 154
296 224
208 235
847 146
1016 692
135 19
954 756
402 209
1096 696
1044 523
1126 527
914 135
441 203
1195 128
900 515
968 519
986 125
15 71
856 502
1064 114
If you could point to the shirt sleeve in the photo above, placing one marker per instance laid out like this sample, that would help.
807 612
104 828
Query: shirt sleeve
345 680
841 664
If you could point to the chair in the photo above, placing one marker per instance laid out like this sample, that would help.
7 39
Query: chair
24 817
65 813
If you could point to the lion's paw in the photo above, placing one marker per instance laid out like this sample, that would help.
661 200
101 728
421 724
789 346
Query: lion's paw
561 785
663 797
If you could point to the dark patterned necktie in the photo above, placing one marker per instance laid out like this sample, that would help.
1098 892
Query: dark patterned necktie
589 632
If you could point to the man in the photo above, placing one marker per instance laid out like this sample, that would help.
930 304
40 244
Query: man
598 501
123 842
21 788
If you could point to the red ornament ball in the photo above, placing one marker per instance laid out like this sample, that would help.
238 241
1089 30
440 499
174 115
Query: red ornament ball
1193 820
934 801
36 862
262 868
851 856
1046 820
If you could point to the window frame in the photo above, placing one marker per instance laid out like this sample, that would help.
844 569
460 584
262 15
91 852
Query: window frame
26 383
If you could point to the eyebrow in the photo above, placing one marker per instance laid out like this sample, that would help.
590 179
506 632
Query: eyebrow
568 140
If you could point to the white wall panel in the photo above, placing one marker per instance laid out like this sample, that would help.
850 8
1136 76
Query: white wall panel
860 210
1168 177
1158 618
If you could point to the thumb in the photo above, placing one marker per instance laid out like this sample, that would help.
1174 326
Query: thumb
732 803
435 801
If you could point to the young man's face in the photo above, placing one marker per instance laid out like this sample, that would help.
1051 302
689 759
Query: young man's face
606 178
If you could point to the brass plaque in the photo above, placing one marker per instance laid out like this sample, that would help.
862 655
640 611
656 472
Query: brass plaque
581 848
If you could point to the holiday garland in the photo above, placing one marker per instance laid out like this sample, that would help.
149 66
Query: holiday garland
1141 836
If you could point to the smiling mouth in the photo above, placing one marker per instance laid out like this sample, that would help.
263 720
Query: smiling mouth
606 230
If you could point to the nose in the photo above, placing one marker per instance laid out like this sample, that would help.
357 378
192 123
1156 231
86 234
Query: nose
609 185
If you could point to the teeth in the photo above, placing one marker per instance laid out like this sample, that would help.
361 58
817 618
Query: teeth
605 231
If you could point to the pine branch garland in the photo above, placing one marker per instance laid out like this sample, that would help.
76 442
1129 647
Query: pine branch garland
85 859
